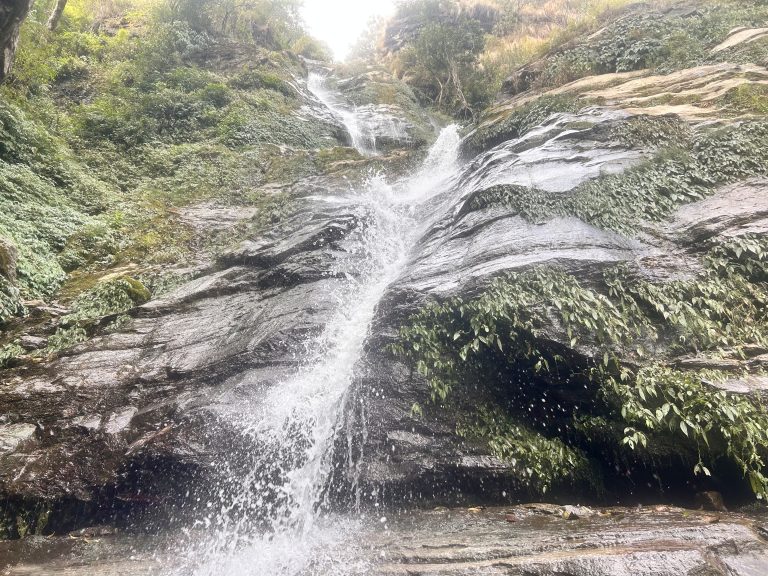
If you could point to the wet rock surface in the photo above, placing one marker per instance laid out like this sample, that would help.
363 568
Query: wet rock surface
613 542
138 419
127 415
536 539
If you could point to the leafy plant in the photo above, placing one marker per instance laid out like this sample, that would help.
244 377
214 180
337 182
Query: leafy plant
510 328
681 404
541 463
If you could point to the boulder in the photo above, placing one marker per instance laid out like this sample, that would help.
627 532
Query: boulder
8 256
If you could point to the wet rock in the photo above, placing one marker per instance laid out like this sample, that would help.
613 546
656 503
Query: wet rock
29 342
577 512
40 309
94 532
119 421
735 210
8 256
13 435
647 542
207 217
711 500
740 36
135 414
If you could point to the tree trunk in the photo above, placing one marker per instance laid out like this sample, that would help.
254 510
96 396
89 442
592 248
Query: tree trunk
12 14
53 21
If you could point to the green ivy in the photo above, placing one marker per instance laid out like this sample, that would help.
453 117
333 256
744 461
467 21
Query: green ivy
681 404
540 462
685 172
512 321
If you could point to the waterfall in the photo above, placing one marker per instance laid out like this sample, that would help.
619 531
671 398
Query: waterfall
361 137
272 523
365 125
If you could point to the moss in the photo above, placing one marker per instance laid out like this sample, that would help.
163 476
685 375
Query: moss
328 157
747 99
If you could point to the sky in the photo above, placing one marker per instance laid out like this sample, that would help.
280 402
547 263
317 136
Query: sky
339 23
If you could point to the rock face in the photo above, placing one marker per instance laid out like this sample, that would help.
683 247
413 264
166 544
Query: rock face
540 542
12 14
94 418
421 458
133 419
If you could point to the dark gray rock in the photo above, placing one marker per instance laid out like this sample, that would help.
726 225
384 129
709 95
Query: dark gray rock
135 417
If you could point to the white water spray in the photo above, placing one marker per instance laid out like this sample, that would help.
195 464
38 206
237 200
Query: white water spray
294 427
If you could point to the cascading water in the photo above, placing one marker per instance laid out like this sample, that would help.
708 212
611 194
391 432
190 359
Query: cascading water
271 521
361 139
364 125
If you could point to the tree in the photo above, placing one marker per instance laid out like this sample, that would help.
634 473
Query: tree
442 58
58 10
12 14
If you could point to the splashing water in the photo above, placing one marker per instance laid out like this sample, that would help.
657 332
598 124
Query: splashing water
271 523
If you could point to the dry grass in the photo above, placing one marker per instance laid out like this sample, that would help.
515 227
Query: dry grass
542 26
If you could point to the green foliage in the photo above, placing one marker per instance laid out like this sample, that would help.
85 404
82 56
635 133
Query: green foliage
682 405
652 191
686 171
275 23
541 463
104 132
10 300
643 132
663 41
255 79
440 61
107 298
511 324
509 316
46 196
531 203
724 307
9 353
748 99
